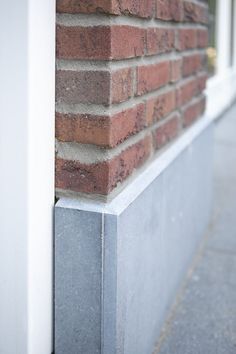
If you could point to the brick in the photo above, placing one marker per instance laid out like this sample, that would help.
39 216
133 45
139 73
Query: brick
176 70
126 123
191 64
131 45
83 128
161 106
101 177
202 38
88 6
80 177
152 77
202 79
187 39
99 42
169 10
140 8
121 85
101 130
195 12
105 85
73 87
193 111
187 91
83 42
166 132
160 40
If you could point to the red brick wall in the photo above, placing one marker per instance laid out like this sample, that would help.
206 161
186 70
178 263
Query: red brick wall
130 79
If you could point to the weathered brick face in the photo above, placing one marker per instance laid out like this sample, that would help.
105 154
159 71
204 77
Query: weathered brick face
130 79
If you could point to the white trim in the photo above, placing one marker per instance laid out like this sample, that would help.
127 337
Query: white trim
223 24
41 105
221 92
27 62
234 39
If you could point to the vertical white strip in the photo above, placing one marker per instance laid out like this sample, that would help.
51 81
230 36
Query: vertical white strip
234 36
41 101
13 177
27 57
223 35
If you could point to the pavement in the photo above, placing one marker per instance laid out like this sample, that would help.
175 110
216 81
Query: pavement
203 319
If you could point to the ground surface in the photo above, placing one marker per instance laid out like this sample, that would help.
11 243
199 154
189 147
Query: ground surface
203 320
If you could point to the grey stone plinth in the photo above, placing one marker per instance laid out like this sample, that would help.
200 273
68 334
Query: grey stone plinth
118 265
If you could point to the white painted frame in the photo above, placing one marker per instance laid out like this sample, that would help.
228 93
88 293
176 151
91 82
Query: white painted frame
221 88
27 99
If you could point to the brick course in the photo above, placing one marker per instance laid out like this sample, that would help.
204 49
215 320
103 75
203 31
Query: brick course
128 83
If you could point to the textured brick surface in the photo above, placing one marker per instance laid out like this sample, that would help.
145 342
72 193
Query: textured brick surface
193 111
88 6
152 77
131 45
83 42
187 39
102 177
161 106
121 85
176 70
191 64
141 8
194 12
166 132
160 40
74 87
100 130
141 71
187 91
99 42
169 10
202 38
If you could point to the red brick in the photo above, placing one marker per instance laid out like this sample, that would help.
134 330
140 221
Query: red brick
121 85
202 79
101 177
160 40
166 132
99 42
83 128
83 42
80 177
74 87
202 35
193 111
191 64
101 130
187 39
127 42
168 10
88 6
140 8
176 70
187 91
161 106
152 77
195 12
127 123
